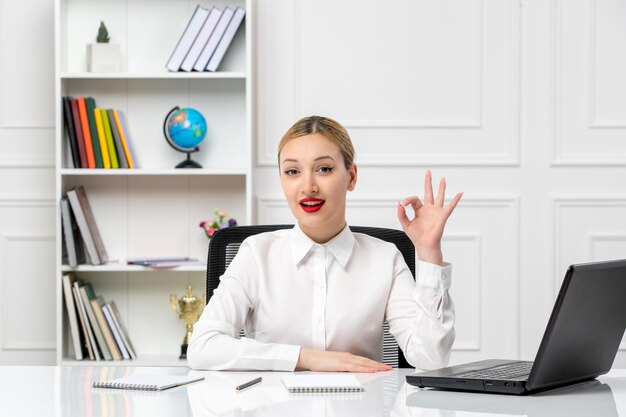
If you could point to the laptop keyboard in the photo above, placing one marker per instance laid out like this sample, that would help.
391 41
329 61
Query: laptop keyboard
515 370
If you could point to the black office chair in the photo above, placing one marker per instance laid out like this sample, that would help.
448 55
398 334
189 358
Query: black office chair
225 243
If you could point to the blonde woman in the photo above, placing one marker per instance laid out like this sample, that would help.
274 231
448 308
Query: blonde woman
314 297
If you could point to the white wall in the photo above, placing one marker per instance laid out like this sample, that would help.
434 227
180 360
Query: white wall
520 104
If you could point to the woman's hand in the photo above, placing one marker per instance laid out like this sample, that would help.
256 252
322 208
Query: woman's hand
426 227
320 360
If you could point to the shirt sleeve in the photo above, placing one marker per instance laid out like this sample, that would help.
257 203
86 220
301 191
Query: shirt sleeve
215 343
420 313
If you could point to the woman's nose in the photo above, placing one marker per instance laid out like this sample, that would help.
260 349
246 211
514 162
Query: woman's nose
310 185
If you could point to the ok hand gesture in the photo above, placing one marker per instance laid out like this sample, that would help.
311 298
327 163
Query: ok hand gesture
430 216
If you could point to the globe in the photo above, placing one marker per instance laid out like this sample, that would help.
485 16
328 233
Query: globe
184 130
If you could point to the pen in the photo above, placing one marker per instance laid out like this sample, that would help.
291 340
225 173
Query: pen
249 383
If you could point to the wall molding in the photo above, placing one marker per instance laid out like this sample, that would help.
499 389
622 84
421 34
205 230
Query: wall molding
474 344
27 162
10 345
579 159
558 203
265 155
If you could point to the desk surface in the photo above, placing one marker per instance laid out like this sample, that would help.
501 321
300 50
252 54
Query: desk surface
66 391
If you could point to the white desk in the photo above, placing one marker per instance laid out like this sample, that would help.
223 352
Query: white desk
66 391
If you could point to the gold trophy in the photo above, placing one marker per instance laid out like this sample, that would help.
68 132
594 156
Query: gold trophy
189 308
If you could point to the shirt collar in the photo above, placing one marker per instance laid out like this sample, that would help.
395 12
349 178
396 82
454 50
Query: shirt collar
340 246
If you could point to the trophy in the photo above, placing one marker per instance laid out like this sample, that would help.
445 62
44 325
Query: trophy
189 308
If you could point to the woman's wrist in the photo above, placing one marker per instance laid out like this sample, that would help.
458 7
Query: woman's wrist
430 255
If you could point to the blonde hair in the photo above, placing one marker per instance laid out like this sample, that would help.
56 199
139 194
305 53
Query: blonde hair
329 128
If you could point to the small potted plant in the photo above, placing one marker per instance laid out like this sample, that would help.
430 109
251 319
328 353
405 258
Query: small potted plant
103 56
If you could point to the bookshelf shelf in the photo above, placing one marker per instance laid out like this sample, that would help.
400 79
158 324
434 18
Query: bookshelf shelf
220 75
155 172
115 267
154 210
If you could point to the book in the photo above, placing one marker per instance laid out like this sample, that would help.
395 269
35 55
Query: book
226 40
201 40
188 37
109 138
214 40
71 235
119 148
78 130
84 123
71 135
120 131
68 280
164 262
90 341
148 382
315 383
115 330
96 304
117 318
126 133
87 294
87 225
90 104
106 161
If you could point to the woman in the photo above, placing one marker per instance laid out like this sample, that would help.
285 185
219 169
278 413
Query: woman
314 297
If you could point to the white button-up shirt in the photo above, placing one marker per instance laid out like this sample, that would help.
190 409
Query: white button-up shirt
286 292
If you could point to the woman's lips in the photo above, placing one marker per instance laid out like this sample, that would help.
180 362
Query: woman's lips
311 205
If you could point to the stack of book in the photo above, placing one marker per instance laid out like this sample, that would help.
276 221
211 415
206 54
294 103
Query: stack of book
205 40
81 237
96 326
98 138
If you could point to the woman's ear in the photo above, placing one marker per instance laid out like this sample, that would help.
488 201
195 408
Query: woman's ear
353 175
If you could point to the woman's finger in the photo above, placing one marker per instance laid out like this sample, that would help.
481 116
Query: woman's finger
428 188
402 217
441 193
453 203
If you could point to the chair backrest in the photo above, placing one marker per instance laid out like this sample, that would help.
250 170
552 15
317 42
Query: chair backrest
225 243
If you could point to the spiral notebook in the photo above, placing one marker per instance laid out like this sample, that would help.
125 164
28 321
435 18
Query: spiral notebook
321 383
147 382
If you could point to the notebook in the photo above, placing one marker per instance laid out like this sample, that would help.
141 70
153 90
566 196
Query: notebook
580 342
147 382
313 383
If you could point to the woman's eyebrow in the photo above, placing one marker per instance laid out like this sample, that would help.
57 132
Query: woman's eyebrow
316 159
324 157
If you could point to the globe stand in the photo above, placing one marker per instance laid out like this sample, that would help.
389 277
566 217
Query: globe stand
187 163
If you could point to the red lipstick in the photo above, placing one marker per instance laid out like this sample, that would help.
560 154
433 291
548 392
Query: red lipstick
311 205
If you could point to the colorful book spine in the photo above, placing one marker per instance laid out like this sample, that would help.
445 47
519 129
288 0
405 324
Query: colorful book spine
80 142
90 103
120 130
109 136
106 161
129 141
71 135
121 156
87 294
84 122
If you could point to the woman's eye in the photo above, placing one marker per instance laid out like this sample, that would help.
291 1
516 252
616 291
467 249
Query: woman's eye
291 171
326 170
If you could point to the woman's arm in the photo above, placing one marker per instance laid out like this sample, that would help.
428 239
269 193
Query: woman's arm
215 343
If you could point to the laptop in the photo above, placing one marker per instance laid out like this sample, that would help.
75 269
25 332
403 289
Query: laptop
580 342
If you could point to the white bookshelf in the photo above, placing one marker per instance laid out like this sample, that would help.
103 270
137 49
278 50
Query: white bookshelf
154 210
